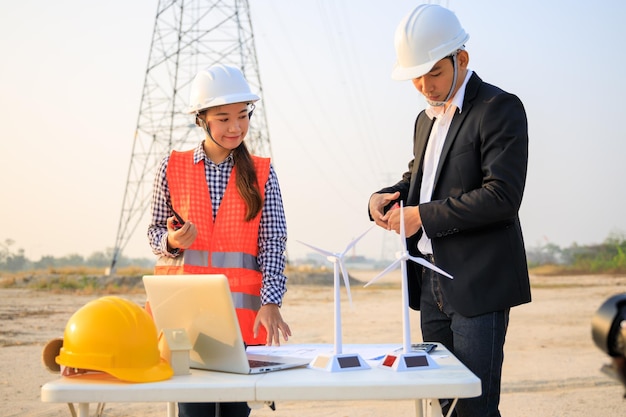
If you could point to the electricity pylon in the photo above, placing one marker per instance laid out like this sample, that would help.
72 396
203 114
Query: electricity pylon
188 35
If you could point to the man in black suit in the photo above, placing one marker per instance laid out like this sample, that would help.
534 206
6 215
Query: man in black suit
461 197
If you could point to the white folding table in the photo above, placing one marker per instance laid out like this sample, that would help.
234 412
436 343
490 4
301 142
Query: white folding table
450 380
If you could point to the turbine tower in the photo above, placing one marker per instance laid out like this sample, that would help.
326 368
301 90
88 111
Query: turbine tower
188 35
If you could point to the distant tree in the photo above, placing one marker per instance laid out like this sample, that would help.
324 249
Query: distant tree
548 254
71 260
45 262
616 237
16 262
98 259
5 250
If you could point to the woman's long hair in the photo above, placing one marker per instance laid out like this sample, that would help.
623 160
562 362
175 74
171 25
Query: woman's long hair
247 181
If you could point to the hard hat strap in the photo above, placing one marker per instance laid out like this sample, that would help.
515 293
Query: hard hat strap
206 128
205 125
453 87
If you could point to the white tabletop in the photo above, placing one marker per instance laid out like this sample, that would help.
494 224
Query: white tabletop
450 380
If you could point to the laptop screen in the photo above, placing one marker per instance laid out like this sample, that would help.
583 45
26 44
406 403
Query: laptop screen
203 306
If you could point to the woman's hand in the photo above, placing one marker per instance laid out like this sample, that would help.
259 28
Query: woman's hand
269 317
180 237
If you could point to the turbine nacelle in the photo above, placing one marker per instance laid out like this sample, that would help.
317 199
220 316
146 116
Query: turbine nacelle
336 258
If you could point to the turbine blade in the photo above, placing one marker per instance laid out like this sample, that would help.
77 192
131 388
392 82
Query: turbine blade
351 244
346 280
385 271
427 264
322 251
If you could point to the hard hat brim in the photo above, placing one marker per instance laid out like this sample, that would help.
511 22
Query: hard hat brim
406 72
159 372
400 73
225 100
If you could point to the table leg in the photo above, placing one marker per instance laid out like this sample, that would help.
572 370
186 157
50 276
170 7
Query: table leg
171 409
429 407
452 407
83 410
435 408
419 408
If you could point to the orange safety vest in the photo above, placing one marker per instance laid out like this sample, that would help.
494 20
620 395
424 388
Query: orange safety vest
228 245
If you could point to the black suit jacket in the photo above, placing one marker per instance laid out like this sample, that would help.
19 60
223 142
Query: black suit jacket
473 216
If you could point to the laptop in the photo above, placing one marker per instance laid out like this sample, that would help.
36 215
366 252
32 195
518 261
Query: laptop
202 305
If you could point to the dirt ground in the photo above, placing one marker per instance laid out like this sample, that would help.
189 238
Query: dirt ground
552 368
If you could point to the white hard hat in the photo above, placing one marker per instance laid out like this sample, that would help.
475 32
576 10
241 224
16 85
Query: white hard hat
219 85
426 35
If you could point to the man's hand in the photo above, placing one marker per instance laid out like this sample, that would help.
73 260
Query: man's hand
377 205
412 220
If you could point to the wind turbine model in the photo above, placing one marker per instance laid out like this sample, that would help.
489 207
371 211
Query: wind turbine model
339 361
407 360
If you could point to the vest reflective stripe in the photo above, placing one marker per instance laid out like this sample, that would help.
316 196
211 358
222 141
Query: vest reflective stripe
196 257
234 260
246 301
220 259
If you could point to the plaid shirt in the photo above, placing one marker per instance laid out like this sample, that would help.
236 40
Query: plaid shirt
272 229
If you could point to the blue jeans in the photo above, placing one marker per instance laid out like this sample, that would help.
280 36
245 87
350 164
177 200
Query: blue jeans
209 410
478 342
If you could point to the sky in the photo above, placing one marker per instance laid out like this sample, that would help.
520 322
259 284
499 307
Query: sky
71 77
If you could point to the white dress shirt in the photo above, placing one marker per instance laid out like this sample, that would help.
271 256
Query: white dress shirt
433 151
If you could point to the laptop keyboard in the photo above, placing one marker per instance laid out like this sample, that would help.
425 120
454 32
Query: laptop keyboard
257 364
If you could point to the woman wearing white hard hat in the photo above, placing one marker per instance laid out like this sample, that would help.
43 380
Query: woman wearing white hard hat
461 200
218 209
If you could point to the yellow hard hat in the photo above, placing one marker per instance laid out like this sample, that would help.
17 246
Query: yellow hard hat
116 336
